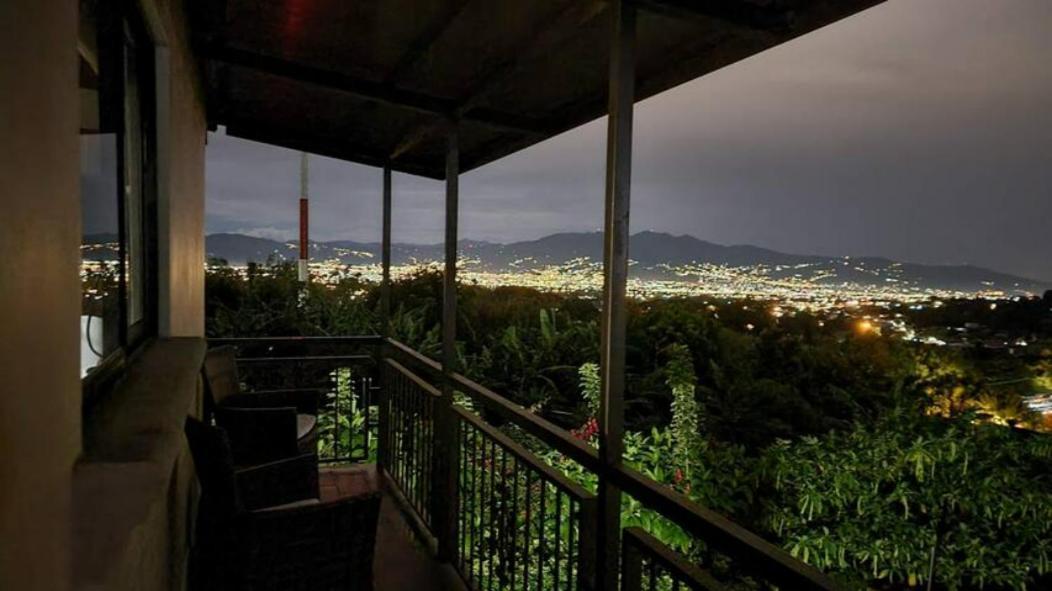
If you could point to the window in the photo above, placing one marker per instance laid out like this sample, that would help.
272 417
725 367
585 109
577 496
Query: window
117 186
139 195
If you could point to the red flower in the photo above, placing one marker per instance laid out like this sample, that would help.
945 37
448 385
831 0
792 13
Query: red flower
587 430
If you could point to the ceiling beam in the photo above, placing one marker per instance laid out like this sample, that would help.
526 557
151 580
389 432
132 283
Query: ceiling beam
543 33
295 139
364 89
767 15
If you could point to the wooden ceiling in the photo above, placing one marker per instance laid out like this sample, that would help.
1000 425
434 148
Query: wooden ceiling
379 81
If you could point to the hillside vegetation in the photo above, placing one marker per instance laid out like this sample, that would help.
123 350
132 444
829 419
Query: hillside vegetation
882 462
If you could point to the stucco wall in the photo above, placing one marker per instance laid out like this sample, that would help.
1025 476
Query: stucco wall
134 488
181 199
39 289
40 230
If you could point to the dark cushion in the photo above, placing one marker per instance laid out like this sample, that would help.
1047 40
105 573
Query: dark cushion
221 377
214 463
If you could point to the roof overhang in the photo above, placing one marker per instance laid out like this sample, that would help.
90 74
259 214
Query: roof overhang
380 81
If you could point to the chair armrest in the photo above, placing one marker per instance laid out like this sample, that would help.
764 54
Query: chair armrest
259 435
279 482
287 545
306 401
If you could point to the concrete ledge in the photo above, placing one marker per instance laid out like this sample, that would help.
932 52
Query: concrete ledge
134 488
142 419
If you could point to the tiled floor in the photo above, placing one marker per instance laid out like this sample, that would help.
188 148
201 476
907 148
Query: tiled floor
402 562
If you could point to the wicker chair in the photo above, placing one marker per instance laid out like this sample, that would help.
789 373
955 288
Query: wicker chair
263 425
265 527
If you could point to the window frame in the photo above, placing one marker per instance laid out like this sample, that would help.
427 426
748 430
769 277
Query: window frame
120 32
134 37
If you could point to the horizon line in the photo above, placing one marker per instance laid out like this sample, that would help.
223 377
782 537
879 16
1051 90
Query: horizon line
1044 282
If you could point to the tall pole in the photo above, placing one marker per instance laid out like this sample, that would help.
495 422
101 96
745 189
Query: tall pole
303 273
449 283
385 326
385 258
446 452
615 277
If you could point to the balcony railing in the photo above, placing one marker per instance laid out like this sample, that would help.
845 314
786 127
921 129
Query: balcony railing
646 563
516 522
343 369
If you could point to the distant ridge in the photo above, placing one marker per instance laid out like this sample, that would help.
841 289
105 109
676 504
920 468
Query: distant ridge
653 253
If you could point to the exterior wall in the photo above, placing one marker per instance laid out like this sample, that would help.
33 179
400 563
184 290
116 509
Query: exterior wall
135 489
181 179
39 290
40 230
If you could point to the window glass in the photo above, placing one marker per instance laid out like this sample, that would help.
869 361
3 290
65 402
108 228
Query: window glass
134 251
100 212
116 184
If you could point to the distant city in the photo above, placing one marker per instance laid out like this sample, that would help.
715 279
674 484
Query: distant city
662 265
868 294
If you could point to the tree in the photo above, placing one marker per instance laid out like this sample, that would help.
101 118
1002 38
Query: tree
686 413
917 498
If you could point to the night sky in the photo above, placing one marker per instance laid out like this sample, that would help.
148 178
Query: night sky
920 130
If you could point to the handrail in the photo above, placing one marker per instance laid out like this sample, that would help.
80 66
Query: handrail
560 439
415 356
725 535
660 554
364 339
410 452
306 358
420 383
557 478
722 533
704 523
307 362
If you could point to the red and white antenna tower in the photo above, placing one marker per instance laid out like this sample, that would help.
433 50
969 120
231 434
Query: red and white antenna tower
304 274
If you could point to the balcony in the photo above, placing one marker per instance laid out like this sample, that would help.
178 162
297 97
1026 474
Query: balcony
469 502
485 484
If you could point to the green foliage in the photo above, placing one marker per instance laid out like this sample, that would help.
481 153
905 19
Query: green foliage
1043 373
513 521
686 419
341 430
267 302
590 387
859 455
756 386
873 503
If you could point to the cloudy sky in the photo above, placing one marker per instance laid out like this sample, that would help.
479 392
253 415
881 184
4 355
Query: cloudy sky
920 130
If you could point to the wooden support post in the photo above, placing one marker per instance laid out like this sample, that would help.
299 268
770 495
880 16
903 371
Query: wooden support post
385 258
615 277
586 548
632 566
444 491
385 325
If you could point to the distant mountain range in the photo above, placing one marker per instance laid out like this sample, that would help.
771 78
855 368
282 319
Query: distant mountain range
655 255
